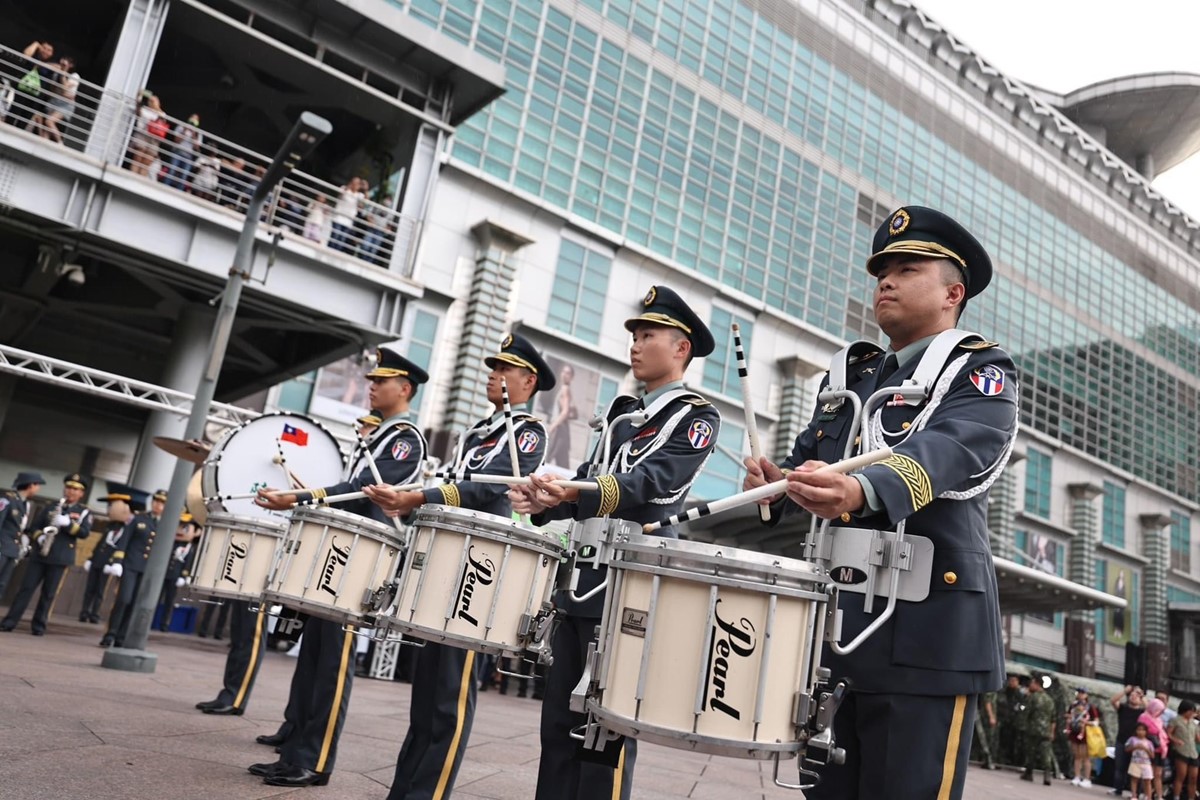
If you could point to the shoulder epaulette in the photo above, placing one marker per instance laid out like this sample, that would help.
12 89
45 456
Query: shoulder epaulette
862 359
696 400
980 344
527 417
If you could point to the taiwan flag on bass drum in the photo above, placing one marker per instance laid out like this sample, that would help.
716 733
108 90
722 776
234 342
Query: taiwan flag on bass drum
294 435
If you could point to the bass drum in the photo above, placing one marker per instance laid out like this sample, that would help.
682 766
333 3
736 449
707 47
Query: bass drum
195 500
279 450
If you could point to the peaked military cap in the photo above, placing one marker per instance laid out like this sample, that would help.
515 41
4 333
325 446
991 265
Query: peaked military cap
187 519
662 306
520 352
75 481
372 417
390 364
136 498
924 232
160 495
27 478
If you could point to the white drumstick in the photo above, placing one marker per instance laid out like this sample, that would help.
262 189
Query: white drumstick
375 473
512 436
508 480
341 498
243 496
281 460
766 490
764 512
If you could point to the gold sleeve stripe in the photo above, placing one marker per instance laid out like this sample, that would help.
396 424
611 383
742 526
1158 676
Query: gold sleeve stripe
117 556
610 494
317 494
915 478
450 495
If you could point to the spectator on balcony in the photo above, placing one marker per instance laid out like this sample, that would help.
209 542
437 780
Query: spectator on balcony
317 223
207 180
184 144
234 184
60 105
29 97
149 129
375 220
345 211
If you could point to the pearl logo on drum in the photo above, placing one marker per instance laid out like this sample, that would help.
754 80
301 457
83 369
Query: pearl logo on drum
475 572
729 641
336 557
236 553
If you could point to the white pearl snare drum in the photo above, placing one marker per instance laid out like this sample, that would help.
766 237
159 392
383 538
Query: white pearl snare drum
235 557
475 580
336 565
708 648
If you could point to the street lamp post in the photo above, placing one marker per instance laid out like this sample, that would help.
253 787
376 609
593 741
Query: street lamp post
305 135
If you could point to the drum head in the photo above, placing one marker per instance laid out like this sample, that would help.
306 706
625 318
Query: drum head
260 454
195 500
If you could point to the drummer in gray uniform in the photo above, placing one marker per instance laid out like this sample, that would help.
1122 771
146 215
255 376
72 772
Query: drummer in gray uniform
906 723
320 690
444 680
58 527
648 480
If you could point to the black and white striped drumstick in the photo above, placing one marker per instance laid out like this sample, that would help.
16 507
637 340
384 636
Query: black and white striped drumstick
764 512
512 435
370 459
467 476
766 490
341 498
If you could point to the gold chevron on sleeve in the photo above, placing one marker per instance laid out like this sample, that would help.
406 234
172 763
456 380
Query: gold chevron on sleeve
914 476
450 495
610 494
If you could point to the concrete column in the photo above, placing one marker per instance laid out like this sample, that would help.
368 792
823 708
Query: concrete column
796 403
127 75
484 323
1080 627
152 467
1144 164
1156 636
418 194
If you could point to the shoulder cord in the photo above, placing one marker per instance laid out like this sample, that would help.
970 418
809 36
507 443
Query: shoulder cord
627 463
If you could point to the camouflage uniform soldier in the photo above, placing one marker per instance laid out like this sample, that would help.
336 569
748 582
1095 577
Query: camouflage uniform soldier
1040 725
1008 720
985 729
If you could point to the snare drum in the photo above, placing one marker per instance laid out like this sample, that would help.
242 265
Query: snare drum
336 565
475 580
235 557
261 453
708 648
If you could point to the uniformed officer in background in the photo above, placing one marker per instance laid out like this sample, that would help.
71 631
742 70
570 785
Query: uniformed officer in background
179 568
129 564
985 729
906 722
444 681
98 566
320 690
1041 723
648 479
14 517
57 528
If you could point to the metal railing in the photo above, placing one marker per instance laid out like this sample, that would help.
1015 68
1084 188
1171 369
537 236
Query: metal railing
129 133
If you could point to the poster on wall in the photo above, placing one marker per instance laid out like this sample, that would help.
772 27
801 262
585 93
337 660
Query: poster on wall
1044 555
566 411
1120 583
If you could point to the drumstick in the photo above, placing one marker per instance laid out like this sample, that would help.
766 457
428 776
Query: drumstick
508 480
766 490
375 474
340 498
242 496
281 460
764 512
512 435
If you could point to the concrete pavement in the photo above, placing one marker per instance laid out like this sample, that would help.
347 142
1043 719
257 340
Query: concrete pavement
71 729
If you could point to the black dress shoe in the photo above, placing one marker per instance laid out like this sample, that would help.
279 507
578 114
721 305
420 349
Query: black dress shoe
107 641
270 739
224 710
204 705
296 776
38 632
6 628
267 770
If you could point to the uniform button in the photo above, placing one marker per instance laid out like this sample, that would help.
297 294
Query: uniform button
857 440
820 434
950 578
846 517
905 425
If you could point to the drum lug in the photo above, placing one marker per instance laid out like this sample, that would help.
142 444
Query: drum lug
586 686
833 618
536 632
820 747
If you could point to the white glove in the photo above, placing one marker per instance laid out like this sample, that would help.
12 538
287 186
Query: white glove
87 565
117 570
107 569
61 521
24 542
180 582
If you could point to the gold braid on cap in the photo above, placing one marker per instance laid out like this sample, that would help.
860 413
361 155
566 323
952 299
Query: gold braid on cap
663 319
924 248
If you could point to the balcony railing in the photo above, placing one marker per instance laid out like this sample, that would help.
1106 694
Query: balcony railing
130 133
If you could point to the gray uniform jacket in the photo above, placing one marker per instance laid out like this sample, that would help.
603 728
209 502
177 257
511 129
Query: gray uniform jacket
950 643
485 449
654 466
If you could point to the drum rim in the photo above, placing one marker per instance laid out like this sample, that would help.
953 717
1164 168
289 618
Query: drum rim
301 514
538 539
670 737
271 597
817 594
438 636
643 548
255 522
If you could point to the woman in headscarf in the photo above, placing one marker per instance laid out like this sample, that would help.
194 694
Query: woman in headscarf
1152 719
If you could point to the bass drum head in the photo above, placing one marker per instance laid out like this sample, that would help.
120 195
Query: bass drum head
195 500
261 452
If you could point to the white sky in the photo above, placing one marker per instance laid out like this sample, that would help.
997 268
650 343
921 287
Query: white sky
1063 45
